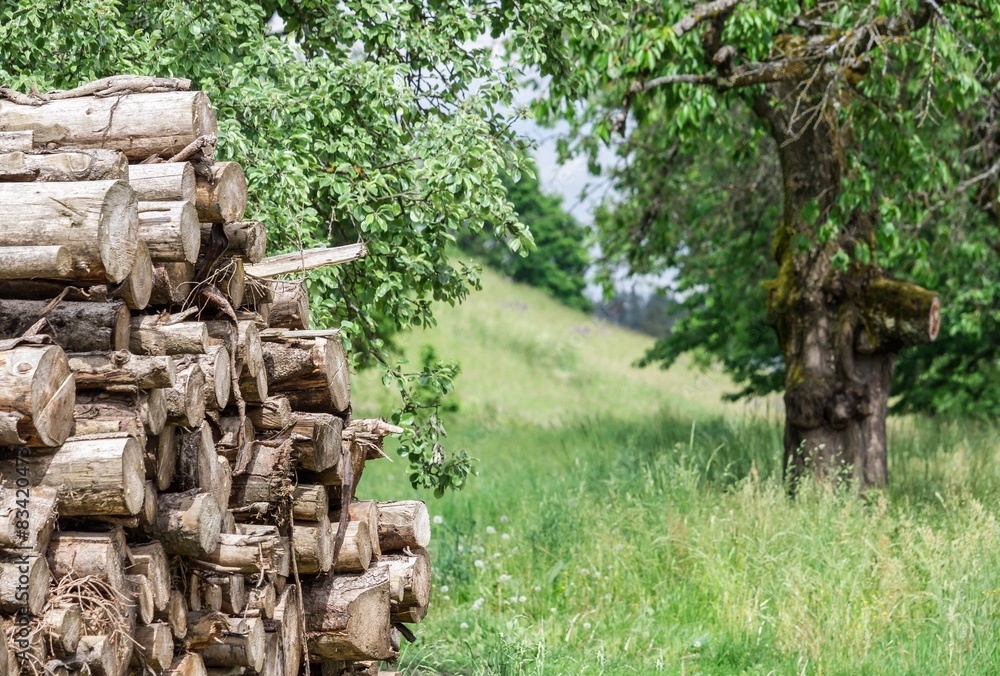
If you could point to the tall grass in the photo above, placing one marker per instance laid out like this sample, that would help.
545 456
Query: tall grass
616 547
625 521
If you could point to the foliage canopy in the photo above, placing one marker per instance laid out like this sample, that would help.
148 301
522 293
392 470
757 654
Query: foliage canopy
912 87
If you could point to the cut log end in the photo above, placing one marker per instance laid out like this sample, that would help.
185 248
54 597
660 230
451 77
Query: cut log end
118 231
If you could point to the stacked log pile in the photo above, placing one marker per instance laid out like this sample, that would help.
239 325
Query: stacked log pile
177 453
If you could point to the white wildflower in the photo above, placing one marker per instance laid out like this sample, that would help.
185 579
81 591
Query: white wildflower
586 625
503 578
505 536
490 530
463 626
478 603
537 588
522 599
504 519
438 519
479 563
445 589
584 572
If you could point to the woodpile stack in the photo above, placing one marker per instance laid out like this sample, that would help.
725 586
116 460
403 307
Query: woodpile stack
177 454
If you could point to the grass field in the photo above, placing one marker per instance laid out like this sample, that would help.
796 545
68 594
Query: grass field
627 521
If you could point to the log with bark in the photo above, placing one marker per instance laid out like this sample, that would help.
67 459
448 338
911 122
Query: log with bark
150 560
275 413
165 334
141 125
355 555
218 370
67 165
99 370
299 262
24 583
290 307
170 230
62 626
347 616
76 327
102 555
185 400
222 197
154 646
366 511
316 439
402 524
26 262
96 220
15 141
37 394
247 239
173 283
188 523
312 542
137 289
256 550
311 371
95 476
413 573
163 182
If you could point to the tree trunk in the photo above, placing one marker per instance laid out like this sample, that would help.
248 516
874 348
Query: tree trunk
316 440
156 334
151 560
223 197
141 125
96 220
413 575
163 182
185 400
312 542
839 327
15 141
189 664
28 262
175 615
274 414
62 626
218 371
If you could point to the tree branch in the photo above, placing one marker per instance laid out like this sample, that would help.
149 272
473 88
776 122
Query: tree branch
709 10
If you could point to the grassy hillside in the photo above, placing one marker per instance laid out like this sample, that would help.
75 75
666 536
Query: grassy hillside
626 521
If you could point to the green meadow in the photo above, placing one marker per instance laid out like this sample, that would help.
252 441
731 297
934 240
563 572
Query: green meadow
627 521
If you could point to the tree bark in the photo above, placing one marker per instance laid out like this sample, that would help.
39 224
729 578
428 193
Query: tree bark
355 554
218 370
96 220
156 334
188 664
367 511
163 182
76 327
141 125
170 230
298 262
290 307
310 503
313 545
274 414
151 561
249 553
316 440
15 141
37 384
28 262
414 574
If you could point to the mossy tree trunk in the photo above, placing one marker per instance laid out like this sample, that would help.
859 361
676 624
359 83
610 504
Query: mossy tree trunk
840 326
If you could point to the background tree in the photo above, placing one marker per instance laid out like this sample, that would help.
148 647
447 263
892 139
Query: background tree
372 120
828 150
557 263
